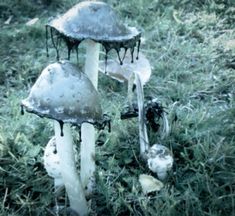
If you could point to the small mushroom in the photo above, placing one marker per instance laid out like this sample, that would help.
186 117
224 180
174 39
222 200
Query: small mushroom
66 95
52 163
96 23
160 160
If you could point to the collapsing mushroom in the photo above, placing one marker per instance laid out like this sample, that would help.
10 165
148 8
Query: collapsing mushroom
125 72
141 71
66 95
97 23
159 157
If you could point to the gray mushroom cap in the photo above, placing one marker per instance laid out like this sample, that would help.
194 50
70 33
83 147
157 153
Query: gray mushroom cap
93 20
96 21
65 94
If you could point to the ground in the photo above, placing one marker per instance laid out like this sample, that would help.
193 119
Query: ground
191 47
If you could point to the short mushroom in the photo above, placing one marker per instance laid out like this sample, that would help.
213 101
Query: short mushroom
97 23
52 162
66 95
160 160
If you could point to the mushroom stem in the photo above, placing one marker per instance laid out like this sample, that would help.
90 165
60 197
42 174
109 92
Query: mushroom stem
87 130
130 89
69 173
143 135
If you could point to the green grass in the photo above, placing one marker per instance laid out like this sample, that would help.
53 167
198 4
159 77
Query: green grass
193 77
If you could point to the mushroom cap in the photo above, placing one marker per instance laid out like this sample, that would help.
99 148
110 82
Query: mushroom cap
160 160
93 20
124 72
65 94
150 184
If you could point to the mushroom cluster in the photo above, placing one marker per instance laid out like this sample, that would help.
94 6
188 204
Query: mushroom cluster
70 97
95 23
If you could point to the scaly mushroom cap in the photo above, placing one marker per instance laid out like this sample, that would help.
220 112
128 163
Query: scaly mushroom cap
96 21
93 20
65 94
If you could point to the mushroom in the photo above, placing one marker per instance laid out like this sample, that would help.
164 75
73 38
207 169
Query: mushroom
126 72
66 95
159 157
52 163
97 23
160 160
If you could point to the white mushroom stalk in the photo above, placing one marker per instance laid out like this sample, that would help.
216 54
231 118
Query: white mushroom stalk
88 130
68 169
143 136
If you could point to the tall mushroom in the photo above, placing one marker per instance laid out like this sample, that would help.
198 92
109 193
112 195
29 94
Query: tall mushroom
97 23
66 95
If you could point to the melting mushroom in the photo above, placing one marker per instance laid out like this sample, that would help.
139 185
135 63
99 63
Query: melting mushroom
95 23
66 95
126 71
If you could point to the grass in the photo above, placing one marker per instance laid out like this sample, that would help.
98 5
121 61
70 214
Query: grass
190 47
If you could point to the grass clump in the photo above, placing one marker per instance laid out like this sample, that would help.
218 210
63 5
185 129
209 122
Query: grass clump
191 50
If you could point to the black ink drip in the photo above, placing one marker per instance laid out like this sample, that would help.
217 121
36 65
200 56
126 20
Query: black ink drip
80 134
105 61
47 42
109 126
22 110
55 45
132 54
61 127
138 49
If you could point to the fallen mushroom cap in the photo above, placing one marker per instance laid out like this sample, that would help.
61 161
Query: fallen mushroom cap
65 94
150 184
96 21
124 72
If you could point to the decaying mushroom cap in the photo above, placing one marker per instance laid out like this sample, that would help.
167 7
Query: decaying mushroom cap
124 72
65 94
96 21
